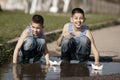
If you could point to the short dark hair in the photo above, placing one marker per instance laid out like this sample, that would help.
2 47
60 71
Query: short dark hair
77 10
38 19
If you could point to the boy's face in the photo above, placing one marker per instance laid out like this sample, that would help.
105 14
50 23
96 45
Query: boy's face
78 19
36 28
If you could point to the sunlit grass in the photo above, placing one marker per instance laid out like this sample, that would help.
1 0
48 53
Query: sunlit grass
14 22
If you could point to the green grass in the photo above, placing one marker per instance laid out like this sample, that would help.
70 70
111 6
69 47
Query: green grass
6 52
14 22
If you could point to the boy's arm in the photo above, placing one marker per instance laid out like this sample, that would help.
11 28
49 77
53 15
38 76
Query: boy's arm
59 40
65 29
18 45
93 47
46 54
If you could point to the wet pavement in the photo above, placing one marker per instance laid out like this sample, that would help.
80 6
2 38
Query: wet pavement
107 41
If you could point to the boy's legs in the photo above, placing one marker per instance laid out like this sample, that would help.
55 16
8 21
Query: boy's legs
83 49
67 49
40 47
32 48
28 48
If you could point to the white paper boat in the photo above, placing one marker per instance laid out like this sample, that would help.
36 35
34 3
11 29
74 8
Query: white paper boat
55 63
97 67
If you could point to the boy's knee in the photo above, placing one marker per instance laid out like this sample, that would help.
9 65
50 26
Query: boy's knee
29 43
41 42
65 41
40 45
85 40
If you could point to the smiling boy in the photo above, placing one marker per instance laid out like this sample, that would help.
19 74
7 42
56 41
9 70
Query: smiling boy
76 40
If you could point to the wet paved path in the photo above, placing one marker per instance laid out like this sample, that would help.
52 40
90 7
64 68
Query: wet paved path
107 41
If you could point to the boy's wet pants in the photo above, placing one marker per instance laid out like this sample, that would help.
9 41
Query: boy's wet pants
76 49
32 47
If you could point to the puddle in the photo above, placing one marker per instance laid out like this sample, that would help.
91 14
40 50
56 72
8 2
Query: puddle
108 68
38 71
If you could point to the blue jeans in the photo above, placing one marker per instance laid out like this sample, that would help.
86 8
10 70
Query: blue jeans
32 47
72 49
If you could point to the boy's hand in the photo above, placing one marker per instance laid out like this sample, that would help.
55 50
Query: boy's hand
97 64
67 35
47 64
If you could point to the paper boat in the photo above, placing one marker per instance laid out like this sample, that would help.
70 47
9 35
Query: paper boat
55 63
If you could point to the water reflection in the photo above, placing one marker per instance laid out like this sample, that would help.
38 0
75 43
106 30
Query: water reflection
96 72
29 72
39 71
74 70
